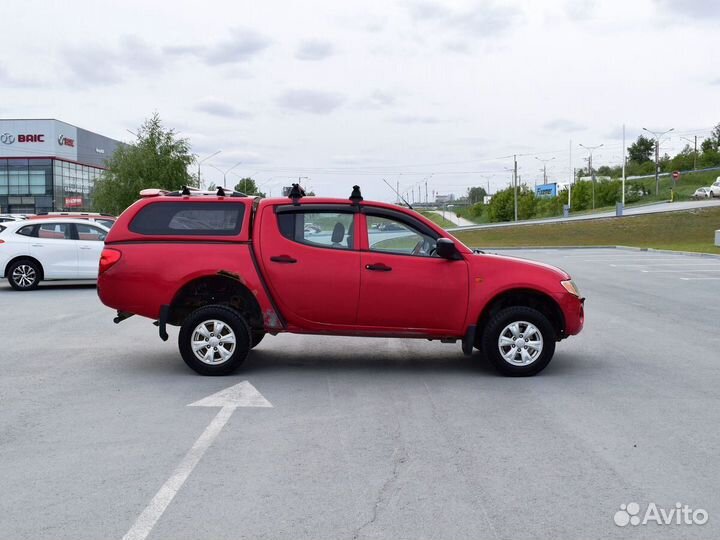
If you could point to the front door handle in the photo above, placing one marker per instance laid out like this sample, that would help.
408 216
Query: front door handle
37 245
378 267
285 259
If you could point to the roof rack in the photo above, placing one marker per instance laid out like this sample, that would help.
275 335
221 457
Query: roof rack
188 191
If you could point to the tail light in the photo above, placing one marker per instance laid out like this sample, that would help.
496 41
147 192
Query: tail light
108 258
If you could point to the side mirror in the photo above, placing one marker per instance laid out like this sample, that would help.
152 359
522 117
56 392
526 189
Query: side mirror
447 250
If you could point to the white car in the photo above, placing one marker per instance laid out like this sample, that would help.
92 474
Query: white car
701 193
47 249
715 188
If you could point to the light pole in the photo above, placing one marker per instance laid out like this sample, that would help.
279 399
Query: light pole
694 152
225 173
590 150
657 135
544 169
200 162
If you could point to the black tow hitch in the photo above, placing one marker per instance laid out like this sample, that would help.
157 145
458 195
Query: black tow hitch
121 316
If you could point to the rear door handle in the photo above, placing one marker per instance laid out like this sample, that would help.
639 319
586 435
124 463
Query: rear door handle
84 247
37 245
285 259
378 267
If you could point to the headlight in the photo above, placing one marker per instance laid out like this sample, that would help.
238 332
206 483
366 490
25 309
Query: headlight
570 287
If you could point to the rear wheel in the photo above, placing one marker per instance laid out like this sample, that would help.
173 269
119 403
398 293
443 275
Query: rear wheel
519 341
24 275
214 340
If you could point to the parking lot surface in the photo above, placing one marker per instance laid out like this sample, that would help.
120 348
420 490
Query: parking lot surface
370 438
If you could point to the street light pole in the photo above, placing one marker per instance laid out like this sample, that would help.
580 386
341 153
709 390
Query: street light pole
544 169
515 182
590 150
694 152
225 172
200 162
657 135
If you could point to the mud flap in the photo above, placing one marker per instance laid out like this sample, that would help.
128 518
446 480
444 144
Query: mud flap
468 341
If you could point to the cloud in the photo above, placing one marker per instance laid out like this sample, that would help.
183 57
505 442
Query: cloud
9 80
241 47
310 101
696 9
415 119
216 107
484 18
715 82
93 65
565 125
314 50
377 100
579 10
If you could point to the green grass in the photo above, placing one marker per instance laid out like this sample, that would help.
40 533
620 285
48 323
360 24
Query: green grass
437 218
684 188
692 230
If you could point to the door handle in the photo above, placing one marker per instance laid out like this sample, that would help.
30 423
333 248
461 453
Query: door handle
84 247
285 259
37 245
378 267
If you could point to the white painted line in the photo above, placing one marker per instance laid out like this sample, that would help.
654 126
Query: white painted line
699 278
679 271
716 265
243 394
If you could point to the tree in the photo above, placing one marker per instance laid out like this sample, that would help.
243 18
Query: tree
641 150
157 159
248 187
476 194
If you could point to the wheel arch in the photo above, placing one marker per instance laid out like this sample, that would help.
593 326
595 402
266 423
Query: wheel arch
24 258
215 289
532 298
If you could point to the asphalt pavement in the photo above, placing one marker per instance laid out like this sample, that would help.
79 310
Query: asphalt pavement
369 438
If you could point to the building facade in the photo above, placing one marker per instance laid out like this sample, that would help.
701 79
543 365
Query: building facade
47 165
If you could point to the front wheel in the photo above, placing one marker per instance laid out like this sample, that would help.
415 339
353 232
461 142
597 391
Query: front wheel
24 275
519 341
214 340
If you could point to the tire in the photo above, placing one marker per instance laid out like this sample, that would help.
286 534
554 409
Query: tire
511 323
24 275
221 356
257 337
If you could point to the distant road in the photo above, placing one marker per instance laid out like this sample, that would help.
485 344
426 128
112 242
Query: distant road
632 211
452 216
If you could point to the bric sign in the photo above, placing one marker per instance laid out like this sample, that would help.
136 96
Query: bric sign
8 138
680 514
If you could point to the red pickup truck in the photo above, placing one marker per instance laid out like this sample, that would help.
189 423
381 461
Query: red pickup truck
229 269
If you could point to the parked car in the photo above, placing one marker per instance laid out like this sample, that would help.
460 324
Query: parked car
715 188
106 220
54 248
9 217
254 269
701 193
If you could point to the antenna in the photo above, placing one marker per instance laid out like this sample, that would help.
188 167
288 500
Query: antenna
398 194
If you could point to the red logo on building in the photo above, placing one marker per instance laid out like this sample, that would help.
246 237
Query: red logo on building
66 141
31 138
73 202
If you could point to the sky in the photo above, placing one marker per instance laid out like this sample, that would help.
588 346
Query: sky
415 92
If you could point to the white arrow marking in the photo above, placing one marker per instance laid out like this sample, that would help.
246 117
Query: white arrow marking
243 394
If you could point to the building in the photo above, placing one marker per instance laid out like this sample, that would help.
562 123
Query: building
444 199
47 165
